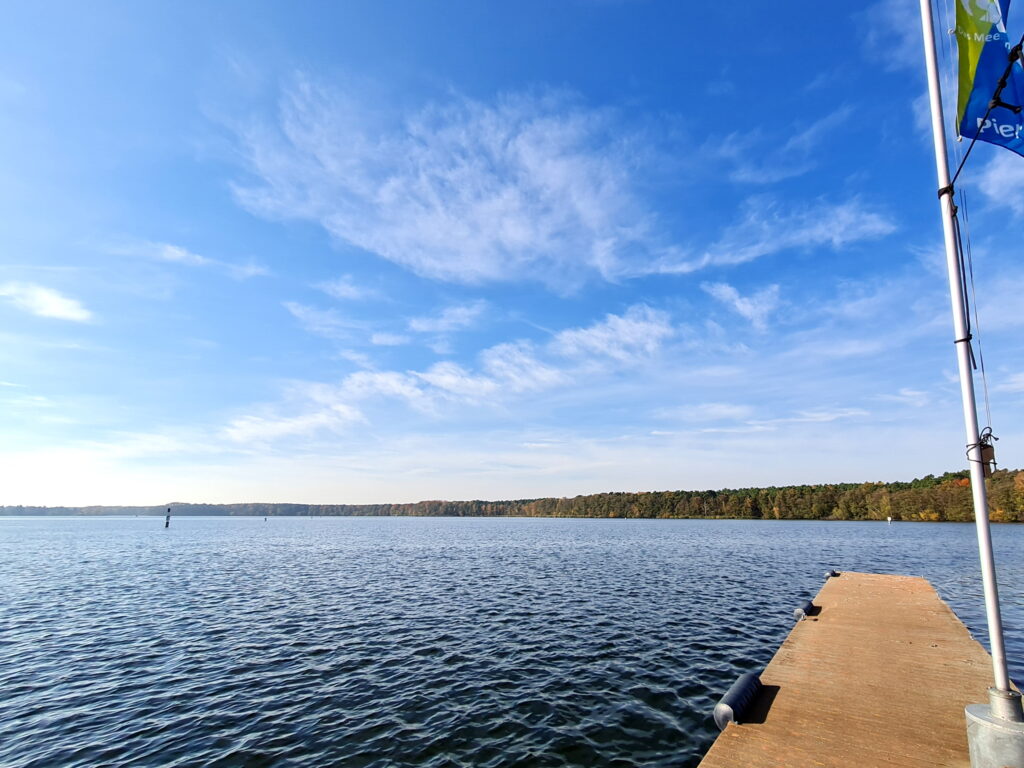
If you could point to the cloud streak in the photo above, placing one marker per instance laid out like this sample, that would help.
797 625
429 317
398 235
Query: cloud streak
176 254
454 318
756 308
531 187
345 288
793 157
626 338
765 228
328 323
44 302
503 371
1001 181
893 34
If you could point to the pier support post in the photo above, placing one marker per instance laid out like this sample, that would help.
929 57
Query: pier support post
995 731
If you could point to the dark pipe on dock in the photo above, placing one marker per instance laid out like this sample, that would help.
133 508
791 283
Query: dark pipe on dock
737 700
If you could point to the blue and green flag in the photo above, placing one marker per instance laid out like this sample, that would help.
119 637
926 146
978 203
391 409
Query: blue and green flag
984 49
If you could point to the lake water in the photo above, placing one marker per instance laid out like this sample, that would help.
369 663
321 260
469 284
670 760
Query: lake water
419 641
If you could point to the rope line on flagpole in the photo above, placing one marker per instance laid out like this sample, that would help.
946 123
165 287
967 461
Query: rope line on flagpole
965 262
962 269
974 301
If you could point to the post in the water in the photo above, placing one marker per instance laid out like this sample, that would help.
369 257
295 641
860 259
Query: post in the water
167 520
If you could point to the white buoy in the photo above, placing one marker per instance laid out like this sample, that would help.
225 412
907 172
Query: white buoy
888 520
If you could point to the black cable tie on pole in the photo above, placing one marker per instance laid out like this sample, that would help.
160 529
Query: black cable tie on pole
946 190
970 349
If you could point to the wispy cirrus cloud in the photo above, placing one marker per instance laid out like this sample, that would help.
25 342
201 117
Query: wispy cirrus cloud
743 424
915 398
176 254
860 301
502 371
452 318
328 323
384 339
516 365
756 308
817 417
532 186
1001 181
784 159
345 287
709 412
452 379
636 334
44 302
892 34
766 228
1012 383
800 417
253 428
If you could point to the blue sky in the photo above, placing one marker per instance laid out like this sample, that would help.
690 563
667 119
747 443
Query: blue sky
387 251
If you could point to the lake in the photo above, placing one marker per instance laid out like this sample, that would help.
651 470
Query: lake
420 641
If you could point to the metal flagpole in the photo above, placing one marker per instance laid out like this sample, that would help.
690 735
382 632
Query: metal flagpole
963 358
995 733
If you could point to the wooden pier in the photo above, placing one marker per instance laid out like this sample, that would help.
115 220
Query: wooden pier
879 676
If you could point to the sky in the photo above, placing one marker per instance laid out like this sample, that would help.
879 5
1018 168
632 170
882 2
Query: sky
392 250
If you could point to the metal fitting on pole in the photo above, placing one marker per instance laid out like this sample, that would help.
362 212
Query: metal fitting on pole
1006 705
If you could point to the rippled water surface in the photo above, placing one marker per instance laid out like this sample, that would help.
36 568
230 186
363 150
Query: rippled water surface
418 641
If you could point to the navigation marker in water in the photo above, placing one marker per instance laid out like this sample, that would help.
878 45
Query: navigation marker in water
167 520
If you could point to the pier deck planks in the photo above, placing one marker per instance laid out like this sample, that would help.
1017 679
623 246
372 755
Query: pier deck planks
880 677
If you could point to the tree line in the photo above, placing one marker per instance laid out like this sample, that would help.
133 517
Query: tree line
930 498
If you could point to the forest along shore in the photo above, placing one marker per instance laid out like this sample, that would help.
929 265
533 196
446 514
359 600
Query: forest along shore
928 499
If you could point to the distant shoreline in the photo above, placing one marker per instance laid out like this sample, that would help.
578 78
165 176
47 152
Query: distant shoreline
106 515
946 498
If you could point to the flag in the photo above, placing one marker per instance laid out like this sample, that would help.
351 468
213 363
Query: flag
984 49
